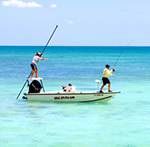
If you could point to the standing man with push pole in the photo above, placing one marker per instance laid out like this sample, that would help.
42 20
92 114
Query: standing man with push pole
41 56
37 57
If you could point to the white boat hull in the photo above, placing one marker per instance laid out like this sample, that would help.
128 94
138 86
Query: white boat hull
69 97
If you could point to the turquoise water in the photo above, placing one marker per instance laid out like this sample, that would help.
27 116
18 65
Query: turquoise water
124 121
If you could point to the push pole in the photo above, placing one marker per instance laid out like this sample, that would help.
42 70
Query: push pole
41 55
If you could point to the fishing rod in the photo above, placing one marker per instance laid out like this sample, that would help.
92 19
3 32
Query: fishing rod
118 58
41 56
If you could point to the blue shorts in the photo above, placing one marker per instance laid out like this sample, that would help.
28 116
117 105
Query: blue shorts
33 66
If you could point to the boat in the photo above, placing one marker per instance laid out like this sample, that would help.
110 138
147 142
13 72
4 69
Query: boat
35 85
69 97
61 96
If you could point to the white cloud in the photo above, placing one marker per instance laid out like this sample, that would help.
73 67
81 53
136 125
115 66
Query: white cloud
20 4
53 5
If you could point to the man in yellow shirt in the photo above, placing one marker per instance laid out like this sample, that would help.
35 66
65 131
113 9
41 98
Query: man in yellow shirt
107 72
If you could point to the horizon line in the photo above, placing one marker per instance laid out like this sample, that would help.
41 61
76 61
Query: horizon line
76 45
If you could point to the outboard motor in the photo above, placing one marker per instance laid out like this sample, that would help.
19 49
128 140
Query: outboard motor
35 87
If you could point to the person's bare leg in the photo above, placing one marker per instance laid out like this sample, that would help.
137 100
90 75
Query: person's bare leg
109 90
101 90
32 73
36 73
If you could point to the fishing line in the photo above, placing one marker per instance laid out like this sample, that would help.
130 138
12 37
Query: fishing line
118 58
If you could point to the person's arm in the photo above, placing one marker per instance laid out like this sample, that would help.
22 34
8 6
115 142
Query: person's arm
111 71
45 59
41 58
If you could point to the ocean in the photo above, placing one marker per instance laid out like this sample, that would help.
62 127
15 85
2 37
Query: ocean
124 121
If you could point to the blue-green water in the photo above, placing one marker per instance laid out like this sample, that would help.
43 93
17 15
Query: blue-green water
122 122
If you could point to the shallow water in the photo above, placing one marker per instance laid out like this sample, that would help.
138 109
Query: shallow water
122 121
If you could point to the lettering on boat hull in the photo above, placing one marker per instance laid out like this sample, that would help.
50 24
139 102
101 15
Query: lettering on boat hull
63 97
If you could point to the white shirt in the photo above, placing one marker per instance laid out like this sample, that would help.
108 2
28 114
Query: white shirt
107 73
36 59
70 89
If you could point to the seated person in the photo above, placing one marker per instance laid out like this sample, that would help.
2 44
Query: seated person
69 88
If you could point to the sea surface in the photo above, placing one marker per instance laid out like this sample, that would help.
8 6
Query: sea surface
124 121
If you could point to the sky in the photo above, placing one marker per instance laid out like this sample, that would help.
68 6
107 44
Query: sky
80 22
